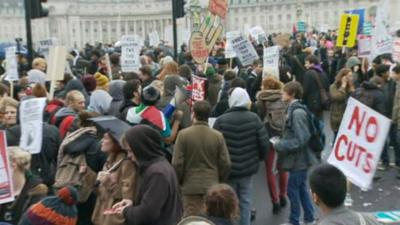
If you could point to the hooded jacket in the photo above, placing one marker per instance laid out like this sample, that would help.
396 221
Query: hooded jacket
115 90
312 96
76 85
100 102
37 76
371 95
245 135
158 201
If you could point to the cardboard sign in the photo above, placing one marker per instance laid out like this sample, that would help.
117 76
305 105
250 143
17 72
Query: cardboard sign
396 50
44 46
271 61
364 46
218 7
6 184
392 217
56 63
168 35
348 31
198 48
382 41
359 143
11 64
229 51
199 88
154 39
31 118
130 53
244 50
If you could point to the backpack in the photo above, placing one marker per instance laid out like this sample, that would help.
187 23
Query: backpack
66 125
50 112
275 116
316 126
74 171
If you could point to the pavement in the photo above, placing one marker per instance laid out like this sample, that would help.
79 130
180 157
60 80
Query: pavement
384 195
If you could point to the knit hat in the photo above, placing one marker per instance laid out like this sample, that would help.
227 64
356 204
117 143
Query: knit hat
89 82
101 80
353 61
55 210
150 95
210 71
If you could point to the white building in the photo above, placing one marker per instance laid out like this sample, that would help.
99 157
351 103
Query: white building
76 22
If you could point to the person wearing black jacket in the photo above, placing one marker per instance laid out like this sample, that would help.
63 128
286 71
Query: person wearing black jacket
132 91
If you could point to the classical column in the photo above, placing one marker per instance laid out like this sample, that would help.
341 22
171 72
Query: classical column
118 28
109 31
126 27
92 40
143 29
134 27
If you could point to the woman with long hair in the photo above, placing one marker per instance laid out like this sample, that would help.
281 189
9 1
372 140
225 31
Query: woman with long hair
170 68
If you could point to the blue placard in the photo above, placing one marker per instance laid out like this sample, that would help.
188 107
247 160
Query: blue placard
361 14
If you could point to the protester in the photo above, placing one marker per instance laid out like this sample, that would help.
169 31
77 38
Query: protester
8 107
132 91
100 102
271 110
223 104
117 94
256 70
170 68
200 159
102 81
158 200
328 187
27 188
295 155
145 75
37 73
354 64
396 117
214 83
247 141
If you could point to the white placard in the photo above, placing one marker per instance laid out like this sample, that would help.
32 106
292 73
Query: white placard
168 35
154 39
229 51
244 50
56 63
257 32
271 61
11 64
359 143
45 45
130 53
31 118
396 50
381 40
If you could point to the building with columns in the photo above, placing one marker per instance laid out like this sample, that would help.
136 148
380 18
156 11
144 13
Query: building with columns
76 22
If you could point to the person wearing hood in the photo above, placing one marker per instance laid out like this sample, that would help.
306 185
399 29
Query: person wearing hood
354 64
315 81
247 141
371 94
74 84
158 200
214 83
37 73
272 110
117 94
100 102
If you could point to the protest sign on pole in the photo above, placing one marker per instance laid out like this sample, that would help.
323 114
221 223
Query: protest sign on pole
154 39
382 41
271 61
229 51
199 88
168 35
347 31
244 50
359 143
56 66
198 48
108 64
11 64
218 7
258 34
45 45
396 50
361 18
364 46
6 184
130 53
31 118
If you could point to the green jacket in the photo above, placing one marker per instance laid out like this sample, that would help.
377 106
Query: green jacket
339 98
200 158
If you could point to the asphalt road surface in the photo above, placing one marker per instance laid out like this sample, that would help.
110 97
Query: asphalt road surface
385 195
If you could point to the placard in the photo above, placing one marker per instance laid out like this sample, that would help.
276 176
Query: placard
130 53
244 50
271 61
382 41
154 39
229 51
258 34
31 118
348 31
396 50
198 47
364 46
45 45
11 64
6 184
199 89
359 143
56 63
218 7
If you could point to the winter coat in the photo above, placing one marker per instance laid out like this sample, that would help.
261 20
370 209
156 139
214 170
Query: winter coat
37 76
32 192
312 96
396 106
246 138
339 97
76 85
200 158
293 150
125 106
100 102
121 185
44 163
371 95
117 95
213 87
389 90
158 201
344 216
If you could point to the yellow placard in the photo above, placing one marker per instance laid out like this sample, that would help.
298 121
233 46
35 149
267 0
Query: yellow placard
348 30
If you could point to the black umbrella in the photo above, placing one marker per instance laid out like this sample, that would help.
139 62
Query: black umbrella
112 125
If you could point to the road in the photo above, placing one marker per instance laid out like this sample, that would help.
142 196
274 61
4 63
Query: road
383 197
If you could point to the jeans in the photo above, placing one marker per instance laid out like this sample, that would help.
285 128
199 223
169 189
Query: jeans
392 140
244 190
273 173
299 196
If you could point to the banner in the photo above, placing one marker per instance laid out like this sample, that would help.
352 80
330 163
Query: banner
244 50
359 143
229 51
57 62
31 118
364 46
382 41
347 31
154 39
396 50
130 53
6 184
11 64
199 88
218 7
271 61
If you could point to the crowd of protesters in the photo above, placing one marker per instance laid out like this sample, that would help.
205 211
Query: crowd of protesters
151 165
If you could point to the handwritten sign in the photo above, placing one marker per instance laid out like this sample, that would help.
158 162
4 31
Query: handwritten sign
11 64
271 61
130 53
244 50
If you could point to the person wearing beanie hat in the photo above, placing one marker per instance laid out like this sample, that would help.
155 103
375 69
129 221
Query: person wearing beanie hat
248 142
354 64
101 81
55 210
214 84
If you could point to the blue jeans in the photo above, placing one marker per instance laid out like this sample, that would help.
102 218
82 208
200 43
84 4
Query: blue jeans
299 197
244 190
